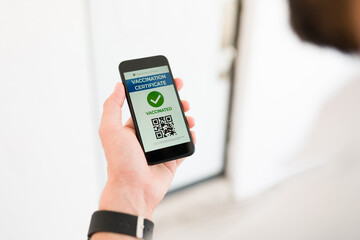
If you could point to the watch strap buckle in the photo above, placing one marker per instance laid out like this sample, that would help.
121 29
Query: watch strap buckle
140 227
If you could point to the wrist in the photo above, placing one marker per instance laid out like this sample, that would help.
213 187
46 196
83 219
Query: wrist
126 200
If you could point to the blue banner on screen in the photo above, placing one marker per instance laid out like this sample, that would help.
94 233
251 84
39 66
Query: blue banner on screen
148 82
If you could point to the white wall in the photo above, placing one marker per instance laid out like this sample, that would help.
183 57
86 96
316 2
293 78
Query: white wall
282 88
48 180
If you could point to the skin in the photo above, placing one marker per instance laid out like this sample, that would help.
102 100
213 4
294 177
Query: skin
132 186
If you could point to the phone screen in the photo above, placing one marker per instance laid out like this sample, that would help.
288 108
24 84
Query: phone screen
157 109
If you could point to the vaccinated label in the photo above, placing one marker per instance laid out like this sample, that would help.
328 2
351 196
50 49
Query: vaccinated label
157 109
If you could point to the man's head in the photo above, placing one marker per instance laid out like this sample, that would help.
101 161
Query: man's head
327 22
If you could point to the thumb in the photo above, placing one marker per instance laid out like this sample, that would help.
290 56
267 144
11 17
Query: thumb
111 118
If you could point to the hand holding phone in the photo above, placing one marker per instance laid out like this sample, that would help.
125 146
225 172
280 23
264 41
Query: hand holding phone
132 186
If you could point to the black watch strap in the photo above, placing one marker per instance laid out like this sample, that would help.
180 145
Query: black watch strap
115 222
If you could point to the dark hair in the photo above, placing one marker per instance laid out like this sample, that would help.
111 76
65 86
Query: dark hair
324 22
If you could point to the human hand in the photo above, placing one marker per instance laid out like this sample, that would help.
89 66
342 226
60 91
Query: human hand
132 186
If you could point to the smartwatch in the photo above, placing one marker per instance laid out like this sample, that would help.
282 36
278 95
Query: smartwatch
115 222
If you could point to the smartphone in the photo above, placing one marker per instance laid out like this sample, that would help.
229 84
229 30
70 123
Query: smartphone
156 110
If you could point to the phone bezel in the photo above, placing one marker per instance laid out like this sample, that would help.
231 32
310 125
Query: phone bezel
163 154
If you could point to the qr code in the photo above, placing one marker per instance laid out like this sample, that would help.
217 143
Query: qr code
163 127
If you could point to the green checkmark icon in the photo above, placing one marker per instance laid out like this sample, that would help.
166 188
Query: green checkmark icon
155 99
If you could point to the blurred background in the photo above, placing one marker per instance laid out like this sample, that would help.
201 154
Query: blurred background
278 133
